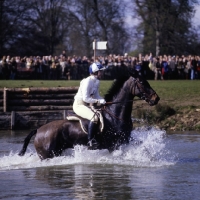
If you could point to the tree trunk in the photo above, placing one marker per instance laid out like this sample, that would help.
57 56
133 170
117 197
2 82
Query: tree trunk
157 43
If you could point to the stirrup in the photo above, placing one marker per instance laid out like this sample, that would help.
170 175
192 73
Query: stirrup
92 144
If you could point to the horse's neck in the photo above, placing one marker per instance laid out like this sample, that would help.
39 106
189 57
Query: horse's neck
122 105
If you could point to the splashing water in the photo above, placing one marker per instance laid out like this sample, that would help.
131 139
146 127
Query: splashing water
147 149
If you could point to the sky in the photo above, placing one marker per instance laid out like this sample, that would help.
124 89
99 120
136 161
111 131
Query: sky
196 18
130 21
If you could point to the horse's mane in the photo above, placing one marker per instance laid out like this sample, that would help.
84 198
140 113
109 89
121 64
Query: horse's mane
115 87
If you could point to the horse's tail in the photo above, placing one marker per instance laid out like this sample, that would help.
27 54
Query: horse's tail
26 142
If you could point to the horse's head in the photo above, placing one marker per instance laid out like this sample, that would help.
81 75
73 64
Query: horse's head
142 89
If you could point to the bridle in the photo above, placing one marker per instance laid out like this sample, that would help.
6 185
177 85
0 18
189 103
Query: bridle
144 95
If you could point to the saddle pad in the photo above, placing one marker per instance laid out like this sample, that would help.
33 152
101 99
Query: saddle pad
76 118
80 121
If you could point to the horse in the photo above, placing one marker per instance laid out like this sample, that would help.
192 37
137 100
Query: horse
54 137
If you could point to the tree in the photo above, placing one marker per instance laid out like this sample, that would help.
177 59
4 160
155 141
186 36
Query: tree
12 23
49 20
82 31
110 17
167 22
95 19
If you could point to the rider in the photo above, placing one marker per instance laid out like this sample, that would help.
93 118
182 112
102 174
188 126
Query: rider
87 95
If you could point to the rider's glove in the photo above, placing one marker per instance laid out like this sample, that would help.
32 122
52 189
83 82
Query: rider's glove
101 101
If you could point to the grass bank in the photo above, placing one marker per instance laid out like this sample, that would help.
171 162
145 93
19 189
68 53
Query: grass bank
178 109
167 90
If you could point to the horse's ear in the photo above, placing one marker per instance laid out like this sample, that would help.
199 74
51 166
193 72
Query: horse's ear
133 73
136 74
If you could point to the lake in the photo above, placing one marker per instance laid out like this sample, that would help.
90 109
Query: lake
163 166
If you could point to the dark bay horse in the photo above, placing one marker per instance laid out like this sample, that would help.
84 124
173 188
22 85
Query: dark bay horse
52 138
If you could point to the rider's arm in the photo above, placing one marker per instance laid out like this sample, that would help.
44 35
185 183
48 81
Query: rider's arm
87 88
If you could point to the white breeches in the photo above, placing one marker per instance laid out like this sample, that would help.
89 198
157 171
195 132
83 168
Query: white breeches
82 110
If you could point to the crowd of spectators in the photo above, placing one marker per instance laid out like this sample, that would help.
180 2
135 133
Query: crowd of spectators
75 68
175 67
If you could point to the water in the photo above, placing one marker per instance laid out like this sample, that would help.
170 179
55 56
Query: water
163 166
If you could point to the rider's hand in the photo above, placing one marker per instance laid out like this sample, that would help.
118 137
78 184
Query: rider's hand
101 101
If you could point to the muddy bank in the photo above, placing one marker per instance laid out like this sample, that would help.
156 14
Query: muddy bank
176 116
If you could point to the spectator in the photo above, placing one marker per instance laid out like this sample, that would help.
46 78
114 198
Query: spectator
180 68
13 69
29 63
5 70
36 66
64 54
46 67
198 67
193 67
138 66
41 68
63 64
187 68
152 67
145 66
53 74
172 67
22 63
165 69
158 74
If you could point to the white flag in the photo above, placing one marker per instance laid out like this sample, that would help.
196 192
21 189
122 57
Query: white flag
100 45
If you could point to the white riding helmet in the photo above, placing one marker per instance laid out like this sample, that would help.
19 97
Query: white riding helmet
95 67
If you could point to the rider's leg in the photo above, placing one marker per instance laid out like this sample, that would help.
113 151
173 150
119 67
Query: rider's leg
86 112
92 130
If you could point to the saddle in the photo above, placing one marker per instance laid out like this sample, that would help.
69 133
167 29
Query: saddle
72 116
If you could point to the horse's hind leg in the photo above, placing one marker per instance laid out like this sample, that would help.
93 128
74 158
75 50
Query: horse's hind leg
49 152
44 155
48 149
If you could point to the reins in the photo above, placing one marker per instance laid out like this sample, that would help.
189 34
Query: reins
104 108
116 102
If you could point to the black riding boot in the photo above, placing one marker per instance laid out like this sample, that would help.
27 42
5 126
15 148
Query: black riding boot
92 129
